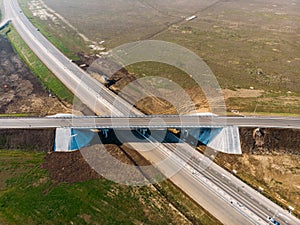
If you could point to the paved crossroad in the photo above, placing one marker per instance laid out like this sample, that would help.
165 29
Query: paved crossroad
172 121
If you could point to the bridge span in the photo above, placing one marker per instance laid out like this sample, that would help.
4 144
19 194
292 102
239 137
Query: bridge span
154 121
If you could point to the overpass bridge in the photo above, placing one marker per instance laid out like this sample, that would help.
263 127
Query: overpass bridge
151 122
87 90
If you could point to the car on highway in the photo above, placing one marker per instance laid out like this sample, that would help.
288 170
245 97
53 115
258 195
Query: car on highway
273 221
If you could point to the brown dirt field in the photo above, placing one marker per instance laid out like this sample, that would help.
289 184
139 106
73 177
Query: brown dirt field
37 139
72 167
69 167
20 91
242 93
273 141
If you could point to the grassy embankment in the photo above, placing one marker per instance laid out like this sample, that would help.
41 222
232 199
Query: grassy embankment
28 196
48 79
282 104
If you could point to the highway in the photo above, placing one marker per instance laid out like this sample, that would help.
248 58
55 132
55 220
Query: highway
237 196
157 122
207 187
90 92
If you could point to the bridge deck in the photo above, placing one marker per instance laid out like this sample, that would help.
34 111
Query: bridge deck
149 122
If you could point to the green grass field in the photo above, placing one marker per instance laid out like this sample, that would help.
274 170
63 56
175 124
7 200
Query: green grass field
29 196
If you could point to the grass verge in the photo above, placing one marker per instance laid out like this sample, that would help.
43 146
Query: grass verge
269 103
48 79
14 115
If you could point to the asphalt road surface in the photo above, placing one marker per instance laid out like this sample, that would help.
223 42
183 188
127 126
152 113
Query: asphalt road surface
157 121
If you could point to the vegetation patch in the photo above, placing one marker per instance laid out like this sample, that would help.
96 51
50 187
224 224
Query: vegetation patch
28 195
58 33
286 104
14 115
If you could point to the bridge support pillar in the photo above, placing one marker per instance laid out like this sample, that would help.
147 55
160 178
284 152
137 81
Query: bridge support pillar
143 131
105 132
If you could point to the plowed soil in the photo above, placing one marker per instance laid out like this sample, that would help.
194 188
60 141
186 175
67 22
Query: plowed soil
20 91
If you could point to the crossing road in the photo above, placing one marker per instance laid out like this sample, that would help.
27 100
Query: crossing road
158 121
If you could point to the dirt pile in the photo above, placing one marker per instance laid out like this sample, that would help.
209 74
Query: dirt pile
72 167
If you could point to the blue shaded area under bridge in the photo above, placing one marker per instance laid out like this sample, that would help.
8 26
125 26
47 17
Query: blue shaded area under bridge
221 139
69 139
